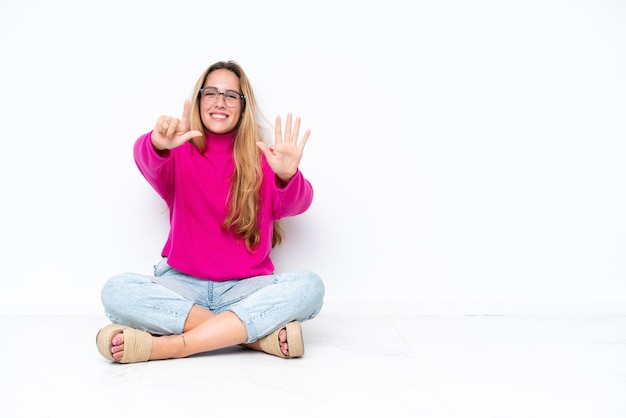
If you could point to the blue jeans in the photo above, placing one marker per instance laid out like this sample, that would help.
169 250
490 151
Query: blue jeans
160 304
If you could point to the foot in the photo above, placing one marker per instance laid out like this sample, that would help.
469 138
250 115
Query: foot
282 343
162 347
117 346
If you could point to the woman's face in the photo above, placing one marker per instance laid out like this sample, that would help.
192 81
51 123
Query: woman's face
220 113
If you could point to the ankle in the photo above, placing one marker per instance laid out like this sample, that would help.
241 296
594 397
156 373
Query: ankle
185 352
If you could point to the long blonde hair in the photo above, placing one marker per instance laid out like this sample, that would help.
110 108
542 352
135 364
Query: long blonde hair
245 183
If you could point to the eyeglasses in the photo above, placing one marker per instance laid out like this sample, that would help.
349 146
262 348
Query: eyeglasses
211 94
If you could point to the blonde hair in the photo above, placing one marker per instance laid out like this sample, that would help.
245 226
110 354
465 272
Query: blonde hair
245 183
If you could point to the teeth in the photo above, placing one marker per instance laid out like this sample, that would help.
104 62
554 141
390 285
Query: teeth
216 116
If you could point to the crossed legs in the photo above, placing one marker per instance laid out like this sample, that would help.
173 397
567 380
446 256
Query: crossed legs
203 331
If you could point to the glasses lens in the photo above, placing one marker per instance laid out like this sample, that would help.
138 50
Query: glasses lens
209 93
231 97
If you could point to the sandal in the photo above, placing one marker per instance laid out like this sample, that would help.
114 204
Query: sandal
270 344
137 344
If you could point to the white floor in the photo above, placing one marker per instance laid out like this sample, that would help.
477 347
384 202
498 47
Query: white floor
399 366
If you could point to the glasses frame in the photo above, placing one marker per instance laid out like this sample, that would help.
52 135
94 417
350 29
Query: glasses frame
220 93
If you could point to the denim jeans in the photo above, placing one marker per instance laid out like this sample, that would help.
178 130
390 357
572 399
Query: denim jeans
160 304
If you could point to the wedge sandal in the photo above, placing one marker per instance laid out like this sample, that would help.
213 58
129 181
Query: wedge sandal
270 344
137 344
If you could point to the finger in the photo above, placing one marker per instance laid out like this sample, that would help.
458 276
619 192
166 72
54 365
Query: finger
162 124
262 146
304 139
184 120
288 135
296 131
265 149
189 135
172 127
278 134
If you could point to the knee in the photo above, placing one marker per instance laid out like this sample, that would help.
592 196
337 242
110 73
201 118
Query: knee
313 286
112 292
312 294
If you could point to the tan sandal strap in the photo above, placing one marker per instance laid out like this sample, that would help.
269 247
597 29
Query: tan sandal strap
137 345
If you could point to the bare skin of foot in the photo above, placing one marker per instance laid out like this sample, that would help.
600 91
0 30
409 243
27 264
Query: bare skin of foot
204 331
282 339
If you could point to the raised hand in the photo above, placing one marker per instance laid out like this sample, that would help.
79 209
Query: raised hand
171 133
285 157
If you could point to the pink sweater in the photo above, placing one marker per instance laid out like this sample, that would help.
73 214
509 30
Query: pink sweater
195 188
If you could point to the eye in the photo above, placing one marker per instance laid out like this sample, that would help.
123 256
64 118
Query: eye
231 95
210 93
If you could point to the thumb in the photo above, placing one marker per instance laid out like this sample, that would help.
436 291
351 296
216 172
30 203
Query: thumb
265 149
191 134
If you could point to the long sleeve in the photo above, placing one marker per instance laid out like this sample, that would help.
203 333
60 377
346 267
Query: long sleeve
195 188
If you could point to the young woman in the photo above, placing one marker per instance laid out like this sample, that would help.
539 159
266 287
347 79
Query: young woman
225 188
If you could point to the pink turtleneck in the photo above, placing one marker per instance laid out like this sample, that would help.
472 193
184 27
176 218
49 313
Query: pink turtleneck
195 188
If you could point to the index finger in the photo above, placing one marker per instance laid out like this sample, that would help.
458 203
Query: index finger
184 120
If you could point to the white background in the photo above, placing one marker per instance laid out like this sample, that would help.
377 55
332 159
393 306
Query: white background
467 156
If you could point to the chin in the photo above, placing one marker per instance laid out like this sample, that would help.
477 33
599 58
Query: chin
219 128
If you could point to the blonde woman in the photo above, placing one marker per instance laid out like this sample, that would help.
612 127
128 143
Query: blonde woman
226 189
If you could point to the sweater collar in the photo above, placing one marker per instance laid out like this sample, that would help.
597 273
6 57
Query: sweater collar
220 143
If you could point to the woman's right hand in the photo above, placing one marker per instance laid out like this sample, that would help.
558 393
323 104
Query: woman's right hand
170 132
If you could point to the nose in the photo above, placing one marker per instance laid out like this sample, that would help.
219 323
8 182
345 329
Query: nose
221 99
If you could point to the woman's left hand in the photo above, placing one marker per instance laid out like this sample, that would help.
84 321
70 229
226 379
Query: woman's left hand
285 157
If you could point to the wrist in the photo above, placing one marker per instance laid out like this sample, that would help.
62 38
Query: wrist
286 177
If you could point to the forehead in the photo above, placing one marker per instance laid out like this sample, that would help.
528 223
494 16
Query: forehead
223 79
